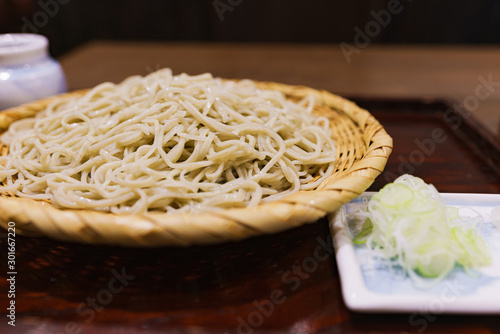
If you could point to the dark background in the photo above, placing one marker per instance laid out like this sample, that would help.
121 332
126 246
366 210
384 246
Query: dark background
69 23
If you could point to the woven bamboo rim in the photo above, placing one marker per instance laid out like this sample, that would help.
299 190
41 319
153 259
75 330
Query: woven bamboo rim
363 147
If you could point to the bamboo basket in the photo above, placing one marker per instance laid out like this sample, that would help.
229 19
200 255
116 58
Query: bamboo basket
363 147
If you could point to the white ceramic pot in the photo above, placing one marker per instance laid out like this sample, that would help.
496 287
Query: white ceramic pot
27 72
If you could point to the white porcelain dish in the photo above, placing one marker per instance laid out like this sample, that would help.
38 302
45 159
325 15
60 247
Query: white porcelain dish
368 286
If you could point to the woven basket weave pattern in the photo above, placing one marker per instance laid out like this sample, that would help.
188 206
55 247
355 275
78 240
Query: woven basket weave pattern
363 148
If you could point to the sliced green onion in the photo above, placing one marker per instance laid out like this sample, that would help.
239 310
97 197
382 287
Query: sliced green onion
362 236
408 225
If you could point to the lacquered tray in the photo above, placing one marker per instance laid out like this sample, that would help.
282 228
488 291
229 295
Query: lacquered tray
437 140
229 287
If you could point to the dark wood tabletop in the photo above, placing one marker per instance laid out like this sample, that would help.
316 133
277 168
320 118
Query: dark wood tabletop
282 283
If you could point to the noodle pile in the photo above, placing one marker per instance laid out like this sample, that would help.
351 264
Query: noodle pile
167 143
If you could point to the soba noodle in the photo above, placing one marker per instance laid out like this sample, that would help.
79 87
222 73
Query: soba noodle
167 143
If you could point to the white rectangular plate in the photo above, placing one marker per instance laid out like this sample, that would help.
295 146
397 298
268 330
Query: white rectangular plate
370 287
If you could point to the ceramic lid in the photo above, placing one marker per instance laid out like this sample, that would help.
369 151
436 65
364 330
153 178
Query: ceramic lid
16 49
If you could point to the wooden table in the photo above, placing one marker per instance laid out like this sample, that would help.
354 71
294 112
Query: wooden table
453 72
266 284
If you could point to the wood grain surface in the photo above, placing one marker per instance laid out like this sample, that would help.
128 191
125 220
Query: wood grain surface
286 282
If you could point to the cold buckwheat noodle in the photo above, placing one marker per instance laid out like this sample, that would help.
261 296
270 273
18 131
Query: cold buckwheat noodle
168 143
